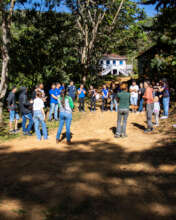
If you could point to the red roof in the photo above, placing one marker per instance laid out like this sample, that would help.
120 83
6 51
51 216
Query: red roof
115 56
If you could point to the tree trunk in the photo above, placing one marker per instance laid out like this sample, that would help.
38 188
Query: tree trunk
6 24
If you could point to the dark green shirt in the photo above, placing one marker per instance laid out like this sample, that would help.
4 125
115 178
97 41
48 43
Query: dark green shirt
124 100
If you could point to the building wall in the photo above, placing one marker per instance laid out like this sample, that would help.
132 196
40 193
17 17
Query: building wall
112 62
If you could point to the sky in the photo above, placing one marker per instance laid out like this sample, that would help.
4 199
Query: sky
149 9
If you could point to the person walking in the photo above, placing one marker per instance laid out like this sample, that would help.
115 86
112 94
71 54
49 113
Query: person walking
141 94
148 98
104 98
53 103
13 111
66 105
123 111
26 111
134 89
93 94
72 91
39 117
113 96
165 98
81 97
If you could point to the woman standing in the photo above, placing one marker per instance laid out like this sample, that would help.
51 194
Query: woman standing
39 116
123 111
141 93
65 105
92 93
166 98
81 96
148 98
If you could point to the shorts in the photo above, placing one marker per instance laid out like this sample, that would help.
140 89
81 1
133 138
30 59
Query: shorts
14 115
134 101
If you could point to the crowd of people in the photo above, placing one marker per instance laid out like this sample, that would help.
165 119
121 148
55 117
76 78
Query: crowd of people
151 97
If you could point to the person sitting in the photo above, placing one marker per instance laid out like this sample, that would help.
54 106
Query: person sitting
123 111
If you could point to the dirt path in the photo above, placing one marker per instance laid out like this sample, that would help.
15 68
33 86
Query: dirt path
97 177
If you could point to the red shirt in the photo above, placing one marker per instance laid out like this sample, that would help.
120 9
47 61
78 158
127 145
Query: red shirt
148 95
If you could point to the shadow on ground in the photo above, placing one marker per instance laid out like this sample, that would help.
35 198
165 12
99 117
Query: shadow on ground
103 182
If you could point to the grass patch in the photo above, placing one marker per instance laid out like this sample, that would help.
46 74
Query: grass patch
4 128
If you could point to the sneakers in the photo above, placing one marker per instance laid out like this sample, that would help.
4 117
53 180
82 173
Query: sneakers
148 130
117 136
164 117
58 141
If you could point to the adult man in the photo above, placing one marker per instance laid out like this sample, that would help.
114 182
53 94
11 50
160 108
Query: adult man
12 107
134 88
53 103
72 90
58 89
81 96
105 94
26 111
148 98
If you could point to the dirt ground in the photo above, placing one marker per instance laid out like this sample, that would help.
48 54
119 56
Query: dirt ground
97 177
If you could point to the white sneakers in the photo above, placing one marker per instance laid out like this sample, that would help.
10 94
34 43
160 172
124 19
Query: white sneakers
164 117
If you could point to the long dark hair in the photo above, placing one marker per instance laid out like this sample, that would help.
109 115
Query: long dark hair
63 94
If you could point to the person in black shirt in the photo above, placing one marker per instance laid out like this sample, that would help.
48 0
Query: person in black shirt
13 110
92 93
141 93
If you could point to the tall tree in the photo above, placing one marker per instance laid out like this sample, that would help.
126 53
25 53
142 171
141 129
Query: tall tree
90 15
6 11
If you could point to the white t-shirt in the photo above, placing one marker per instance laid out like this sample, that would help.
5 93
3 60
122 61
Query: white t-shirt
134 94
38 104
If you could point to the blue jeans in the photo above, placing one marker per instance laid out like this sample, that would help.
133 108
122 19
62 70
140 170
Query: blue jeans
121 126
66 118
26 117
14 116
166 101
134 100
113 102
39 120
53 109
141 102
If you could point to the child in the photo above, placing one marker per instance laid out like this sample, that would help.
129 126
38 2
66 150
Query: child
39 116
92 93
104 98
156 110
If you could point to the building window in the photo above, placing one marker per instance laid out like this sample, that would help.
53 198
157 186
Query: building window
101 62
107 62
121 62
114 62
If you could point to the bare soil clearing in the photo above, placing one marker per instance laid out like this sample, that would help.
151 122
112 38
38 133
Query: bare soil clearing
97 177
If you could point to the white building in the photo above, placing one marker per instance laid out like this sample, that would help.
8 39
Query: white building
115 64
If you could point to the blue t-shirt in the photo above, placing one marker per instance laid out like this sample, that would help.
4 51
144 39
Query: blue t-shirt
81 95
71 90
58 91
105 93
62 88
53 92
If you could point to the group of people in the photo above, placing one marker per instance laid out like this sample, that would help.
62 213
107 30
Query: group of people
62 100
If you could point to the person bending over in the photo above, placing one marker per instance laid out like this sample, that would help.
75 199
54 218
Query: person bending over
123 111
39 116
66 105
